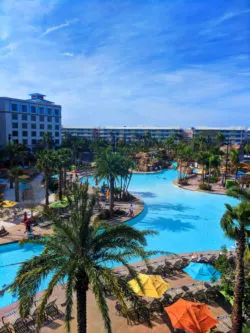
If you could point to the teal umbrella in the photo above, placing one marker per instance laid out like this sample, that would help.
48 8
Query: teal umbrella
201 271
59 204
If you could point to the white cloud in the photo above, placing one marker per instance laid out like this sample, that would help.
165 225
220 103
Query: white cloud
58 27
68 54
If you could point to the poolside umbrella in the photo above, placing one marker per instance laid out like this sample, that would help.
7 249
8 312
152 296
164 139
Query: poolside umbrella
201 271
190 316
74 171
153 285
23 177
59 204
8 204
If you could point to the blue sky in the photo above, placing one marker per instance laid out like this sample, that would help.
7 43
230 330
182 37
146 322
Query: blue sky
131 62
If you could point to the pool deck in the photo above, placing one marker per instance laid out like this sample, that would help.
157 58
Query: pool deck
119 324
193 185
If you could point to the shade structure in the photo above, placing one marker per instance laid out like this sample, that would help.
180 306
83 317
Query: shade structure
200 271
74 171
192 317
8 204
59 204
199 172
153 285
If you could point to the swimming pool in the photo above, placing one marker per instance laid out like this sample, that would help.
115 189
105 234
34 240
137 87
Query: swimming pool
186 221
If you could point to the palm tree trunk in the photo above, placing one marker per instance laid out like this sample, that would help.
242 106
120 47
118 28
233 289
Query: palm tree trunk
239 284
46 185
81 300
16 190
60 181
111 206
64 178
11 182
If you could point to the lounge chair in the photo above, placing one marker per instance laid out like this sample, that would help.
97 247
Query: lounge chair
21 326
45 224
52 310
5 329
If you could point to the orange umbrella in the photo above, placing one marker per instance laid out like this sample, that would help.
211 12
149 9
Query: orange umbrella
189 316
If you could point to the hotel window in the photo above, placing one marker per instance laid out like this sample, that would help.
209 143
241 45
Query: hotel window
14 125
57 142
34 141
41 118
41 126
14 133
14 117
57 113
14 107
41 134
49 119
33 118
57 127
33 126
41 110
57 120
24 108
24 125
49 112
57 134
25 133
25 141
33 109
24 117
50 127
33 133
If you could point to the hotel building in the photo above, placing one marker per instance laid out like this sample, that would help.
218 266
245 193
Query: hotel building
236 135
26 121
125 133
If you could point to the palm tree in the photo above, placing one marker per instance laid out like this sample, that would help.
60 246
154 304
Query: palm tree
62 162
108 167
14 173
235 222
79 252
46 164
14 152
235 160
47 140
220 138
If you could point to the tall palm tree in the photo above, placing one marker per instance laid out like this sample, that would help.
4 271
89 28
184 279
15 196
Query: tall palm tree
80 252
14 173
47 140
108 167
235 160
236 222
46 164
62 162
14 153
220 138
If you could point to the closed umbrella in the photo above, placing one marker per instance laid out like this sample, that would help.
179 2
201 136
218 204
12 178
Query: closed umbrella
190 316
153 285
201 271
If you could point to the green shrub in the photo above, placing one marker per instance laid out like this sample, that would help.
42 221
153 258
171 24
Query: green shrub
230 183
205 187
212 179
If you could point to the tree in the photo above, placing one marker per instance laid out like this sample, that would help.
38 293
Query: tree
14 173
47 140
235 223
46 164
203 159
62 162
108 167
235 160
79 252
220 138
14 152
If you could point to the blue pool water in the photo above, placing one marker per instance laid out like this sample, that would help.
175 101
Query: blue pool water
186 222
